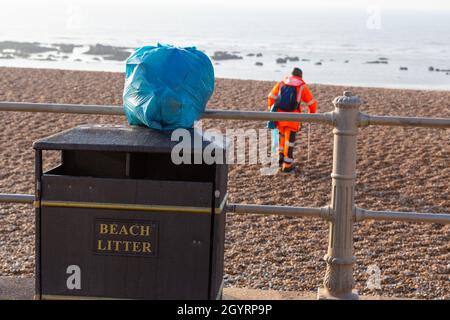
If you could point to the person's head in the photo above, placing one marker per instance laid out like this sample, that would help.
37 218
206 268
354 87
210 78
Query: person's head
297 72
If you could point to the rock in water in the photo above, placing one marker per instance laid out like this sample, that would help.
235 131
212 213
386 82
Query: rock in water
281 60
430 69
224 55
109 52
377 62
403 68
259 64
292 59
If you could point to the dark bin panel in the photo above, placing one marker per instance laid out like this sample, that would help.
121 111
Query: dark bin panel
105 164
126 191
218 241
179 271
158 166
135 224
109 164
217 254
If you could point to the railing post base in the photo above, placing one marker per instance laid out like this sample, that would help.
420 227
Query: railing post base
339 282
324 294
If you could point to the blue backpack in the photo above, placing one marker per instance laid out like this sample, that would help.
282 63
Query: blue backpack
287 99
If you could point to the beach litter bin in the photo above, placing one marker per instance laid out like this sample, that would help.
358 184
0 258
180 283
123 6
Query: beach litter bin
117 218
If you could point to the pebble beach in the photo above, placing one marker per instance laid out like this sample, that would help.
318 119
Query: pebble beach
400 169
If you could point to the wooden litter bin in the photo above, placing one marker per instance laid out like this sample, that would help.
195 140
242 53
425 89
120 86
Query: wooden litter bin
118 219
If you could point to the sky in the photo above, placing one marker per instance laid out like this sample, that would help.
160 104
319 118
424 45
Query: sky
429 5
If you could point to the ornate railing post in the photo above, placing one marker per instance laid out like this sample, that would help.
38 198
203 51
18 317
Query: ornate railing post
339 281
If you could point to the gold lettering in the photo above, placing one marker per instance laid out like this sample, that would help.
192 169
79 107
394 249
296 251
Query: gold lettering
127 244
113 229
123 230
146 247
103 228
100 246
134 233
136 246
145 231
117 245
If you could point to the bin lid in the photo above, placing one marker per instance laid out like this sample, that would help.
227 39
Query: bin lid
127 139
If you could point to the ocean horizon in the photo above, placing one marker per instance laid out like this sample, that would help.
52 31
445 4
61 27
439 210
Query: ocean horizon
367 47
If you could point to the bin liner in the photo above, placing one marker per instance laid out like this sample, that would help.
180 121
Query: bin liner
167 87
275 141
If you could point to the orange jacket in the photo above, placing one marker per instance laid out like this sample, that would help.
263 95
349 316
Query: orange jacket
303 93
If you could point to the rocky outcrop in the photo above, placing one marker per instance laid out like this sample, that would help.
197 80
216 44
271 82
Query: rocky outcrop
109 52
286 59
66 48
377 62
224 55
23 49
381 60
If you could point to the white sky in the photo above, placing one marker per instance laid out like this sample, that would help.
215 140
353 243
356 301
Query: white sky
434 5
388 4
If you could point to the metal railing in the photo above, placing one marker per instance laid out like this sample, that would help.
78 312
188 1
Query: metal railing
341 213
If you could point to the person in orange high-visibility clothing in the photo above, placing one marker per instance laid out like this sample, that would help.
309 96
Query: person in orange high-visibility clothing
290 95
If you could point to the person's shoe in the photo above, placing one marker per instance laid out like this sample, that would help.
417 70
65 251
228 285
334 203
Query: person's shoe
288 169
280 160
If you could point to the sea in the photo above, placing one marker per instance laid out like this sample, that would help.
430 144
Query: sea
367 46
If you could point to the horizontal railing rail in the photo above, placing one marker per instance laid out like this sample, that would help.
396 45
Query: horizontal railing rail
118 111
346 118
368 120
440 218
61 108
327 117
323 212
16 198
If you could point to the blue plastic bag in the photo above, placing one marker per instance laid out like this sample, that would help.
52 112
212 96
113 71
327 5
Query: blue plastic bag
271 124
275 141
167 87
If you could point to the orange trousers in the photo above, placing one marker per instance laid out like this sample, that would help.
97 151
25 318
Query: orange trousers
286 147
